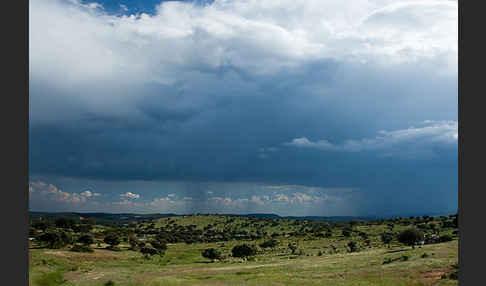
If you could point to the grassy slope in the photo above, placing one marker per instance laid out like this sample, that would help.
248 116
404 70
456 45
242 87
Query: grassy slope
183 264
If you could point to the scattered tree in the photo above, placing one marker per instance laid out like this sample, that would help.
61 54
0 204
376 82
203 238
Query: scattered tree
410 237
243 251
112 239
211 253
353 247
86 239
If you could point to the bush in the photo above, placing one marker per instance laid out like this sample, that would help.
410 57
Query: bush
454 275
292 247
445 238
109 283
346 233
55 239
81 248
425 255
319 253
410 237
212 254
86 239
269 243
353 247
404 257
148 251
112 239
243 250
386 238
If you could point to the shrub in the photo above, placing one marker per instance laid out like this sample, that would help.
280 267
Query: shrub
112 239
319 253
109 283
445 238
404 257
454 275
55 239
86 239
243 250
410 236
212 254
269 243
353 247
64 222
81 248
346 233
292 247
425 255
159 245
148 251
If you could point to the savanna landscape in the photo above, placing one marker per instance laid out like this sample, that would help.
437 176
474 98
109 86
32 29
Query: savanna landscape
243 142
242 250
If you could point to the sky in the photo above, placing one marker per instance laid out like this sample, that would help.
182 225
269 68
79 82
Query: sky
298 108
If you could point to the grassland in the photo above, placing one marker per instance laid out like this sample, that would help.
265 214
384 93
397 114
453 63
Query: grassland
318 263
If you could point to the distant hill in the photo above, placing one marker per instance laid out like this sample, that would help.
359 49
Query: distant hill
115 218
121 218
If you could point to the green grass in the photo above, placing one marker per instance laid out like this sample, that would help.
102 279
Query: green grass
183 264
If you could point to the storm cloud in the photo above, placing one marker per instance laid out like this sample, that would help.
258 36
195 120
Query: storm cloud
319 94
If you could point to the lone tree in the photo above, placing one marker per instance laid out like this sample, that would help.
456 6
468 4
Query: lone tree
243 251
211 253
112 239
410 236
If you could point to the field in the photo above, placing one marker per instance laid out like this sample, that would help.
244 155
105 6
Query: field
317 261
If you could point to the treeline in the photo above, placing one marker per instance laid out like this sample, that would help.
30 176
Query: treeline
150 239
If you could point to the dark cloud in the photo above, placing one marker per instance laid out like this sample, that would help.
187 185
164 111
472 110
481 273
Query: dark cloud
202 100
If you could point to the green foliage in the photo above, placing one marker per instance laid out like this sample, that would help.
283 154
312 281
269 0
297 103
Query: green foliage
55 239
410 236
271 243
292 247
211 253
346 232
64 222
86 239
81 248
148 251
112 239
159 245
386 238
353 247
109 283
445 238
243 250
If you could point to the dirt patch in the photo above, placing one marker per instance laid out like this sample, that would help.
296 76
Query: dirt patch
431 276
246 267
96 256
